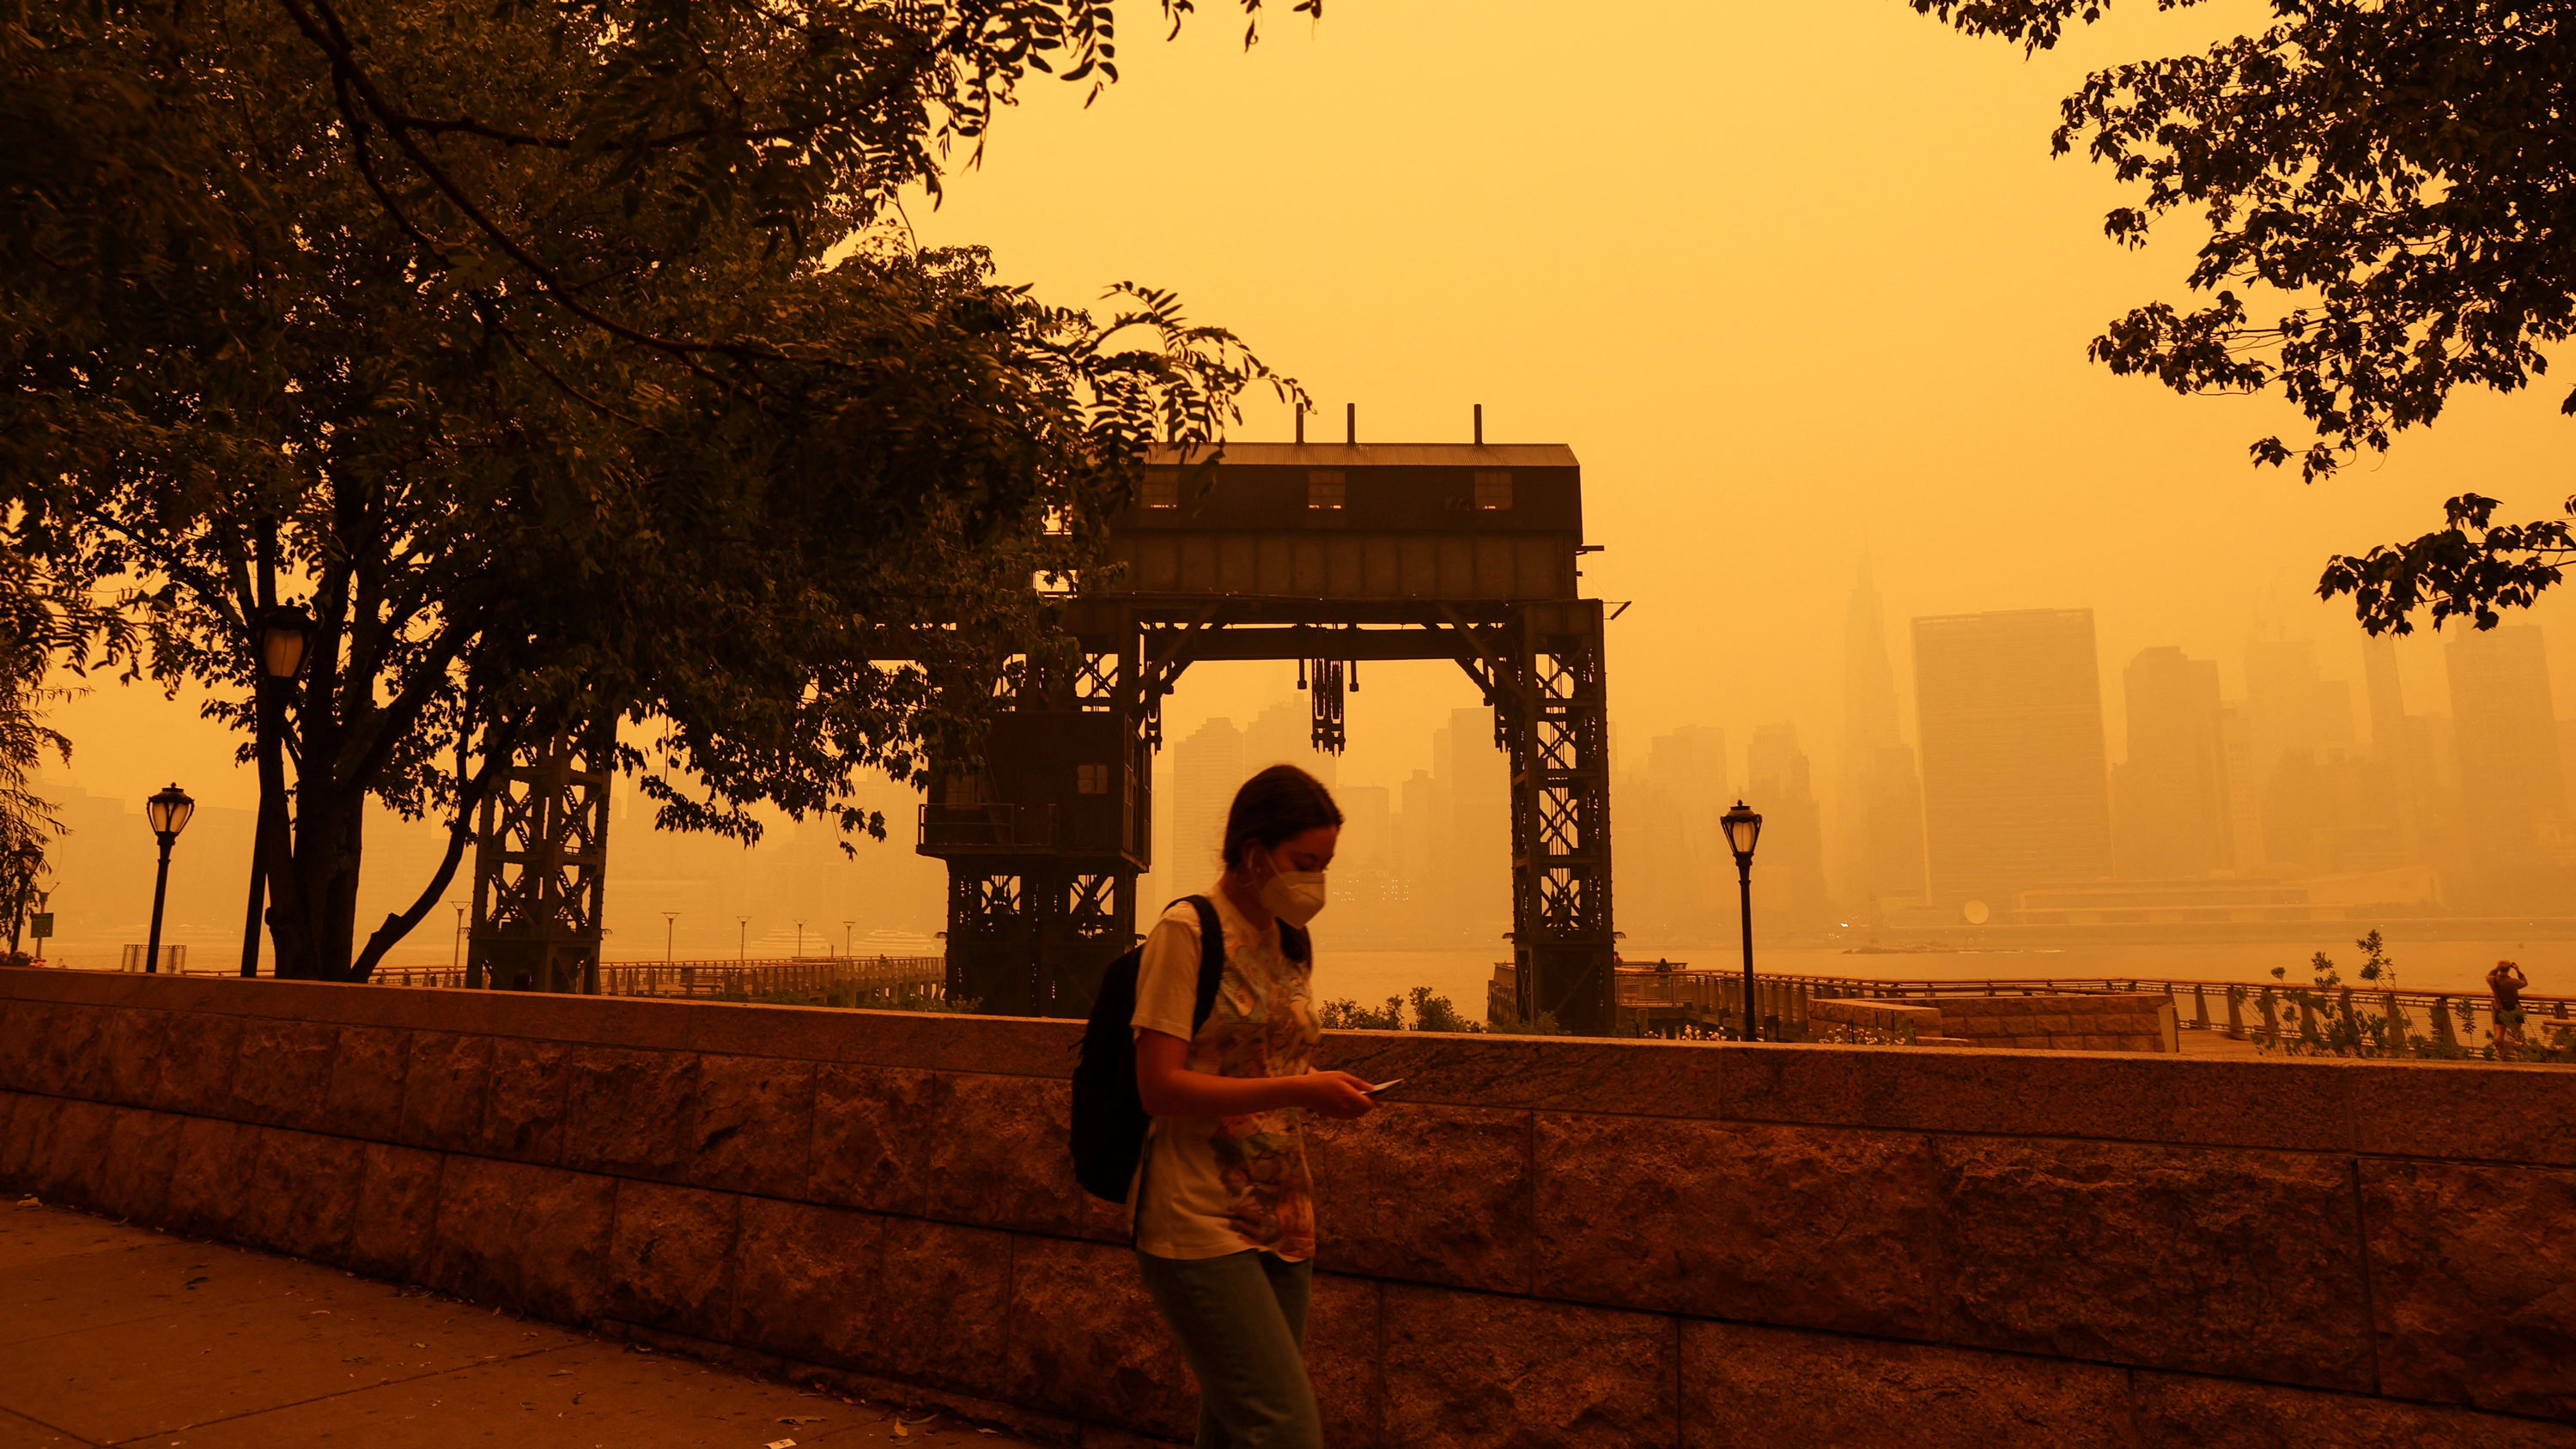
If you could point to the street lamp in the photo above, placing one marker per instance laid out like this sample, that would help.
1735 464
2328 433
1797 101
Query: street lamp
167 813
1743 828
846 928
278 640
24 862
670 929
742 940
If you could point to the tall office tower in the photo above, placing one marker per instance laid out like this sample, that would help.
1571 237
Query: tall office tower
1878 835
2171 817
2296 721
2405 743
1477 850
2014 790
1284 734
1789 866
2513 788
1207 768
1673 862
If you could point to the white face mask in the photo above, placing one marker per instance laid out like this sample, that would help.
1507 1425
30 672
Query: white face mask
1294 896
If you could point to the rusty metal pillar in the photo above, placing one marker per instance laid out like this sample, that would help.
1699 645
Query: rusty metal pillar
1552 716
541 868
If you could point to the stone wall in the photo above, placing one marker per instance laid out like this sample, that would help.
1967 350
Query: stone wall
2141 1021
1544 1243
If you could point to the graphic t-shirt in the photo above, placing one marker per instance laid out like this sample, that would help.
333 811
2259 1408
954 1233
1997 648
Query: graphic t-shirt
1219 1185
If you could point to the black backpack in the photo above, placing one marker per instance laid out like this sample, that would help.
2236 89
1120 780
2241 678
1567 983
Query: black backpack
1109 1118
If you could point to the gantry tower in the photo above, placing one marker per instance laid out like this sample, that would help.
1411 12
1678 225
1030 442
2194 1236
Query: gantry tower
1328 554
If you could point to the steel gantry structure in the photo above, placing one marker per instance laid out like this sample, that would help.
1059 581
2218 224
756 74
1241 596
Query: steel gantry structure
1332 555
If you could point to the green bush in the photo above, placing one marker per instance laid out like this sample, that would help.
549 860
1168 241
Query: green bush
1422 1009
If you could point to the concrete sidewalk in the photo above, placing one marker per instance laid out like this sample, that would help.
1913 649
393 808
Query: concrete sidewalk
114 1335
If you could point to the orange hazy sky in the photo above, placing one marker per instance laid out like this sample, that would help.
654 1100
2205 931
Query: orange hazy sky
1797 282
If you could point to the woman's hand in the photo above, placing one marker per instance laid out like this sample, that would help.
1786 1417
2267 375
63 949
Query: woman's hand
1335 1094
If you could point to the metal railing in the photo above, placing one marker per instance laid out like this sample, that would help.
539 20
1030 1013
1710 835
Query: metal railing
884 978
2229 1006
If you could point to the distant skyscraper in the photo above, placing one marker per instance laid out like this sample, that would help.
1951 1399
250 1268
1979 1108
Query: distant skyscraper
1207 768
1878 839
2513 786
2014 789
1283 734
1671 861
1789 870
2172 815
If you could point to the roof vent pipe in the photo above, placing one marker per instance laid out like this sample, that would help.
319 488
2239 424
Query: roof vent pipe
1480 425
1351 424
1301 423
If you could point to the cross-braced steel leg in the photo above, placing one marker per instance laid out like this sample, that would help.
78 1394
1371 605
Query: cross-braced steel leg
1553 716
541 868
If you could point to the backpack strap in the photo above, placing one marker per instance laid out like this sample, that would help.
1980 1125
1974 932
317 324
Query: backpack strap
1211 961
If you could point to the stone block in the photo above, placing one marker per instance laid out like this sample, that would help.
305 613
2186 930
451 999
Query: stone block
1563 1074
1086 1342
1744 1385
1815 1227
23 1027
2212 1260
1478 1371
445 1076
196 1075
1342 1360
210 1174
396 1225
806 1281
1001 1156
523 1236
671 1258
627 1112
523 1106
871 1149
303 1194
751 1125
2465 1113
2174 1412
134 1181
68 1062
943 1295
31 1128
282 1072
2055 1024
2224 1102
366 1093
2473 1283
1427 1193
131 1046
70 1165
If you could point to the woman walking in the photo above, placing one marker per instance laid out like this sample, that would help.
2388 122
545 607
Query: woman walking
1223 1211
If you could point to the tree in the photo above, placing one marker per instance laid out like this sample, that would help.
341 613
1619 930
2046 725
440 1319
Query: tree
2390 180
565 362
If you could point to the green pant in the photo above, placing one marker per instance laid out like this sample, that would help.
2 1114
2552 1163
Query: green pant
1241 1322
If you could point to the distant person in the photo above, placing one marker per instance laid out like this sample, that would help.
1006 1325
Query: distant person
1223 1210
2505 983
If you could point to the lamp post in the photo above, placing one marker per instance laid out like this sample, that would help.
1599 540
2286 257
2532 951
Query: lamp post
800 939
742 940
670 930
846 928
278 639
24 862
1743 828
167 812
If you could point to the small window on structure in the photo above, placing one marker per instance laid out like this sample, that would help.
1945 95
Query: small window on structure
1091 779
1162 487
1324 488
1493 489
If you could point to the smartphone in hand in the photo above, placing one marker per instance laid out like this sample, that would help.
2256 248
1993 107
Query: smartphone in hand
1382 1086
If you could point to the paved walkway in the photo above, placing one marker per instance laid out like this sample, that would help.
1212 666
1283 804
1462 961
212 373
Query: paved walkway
113 1335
